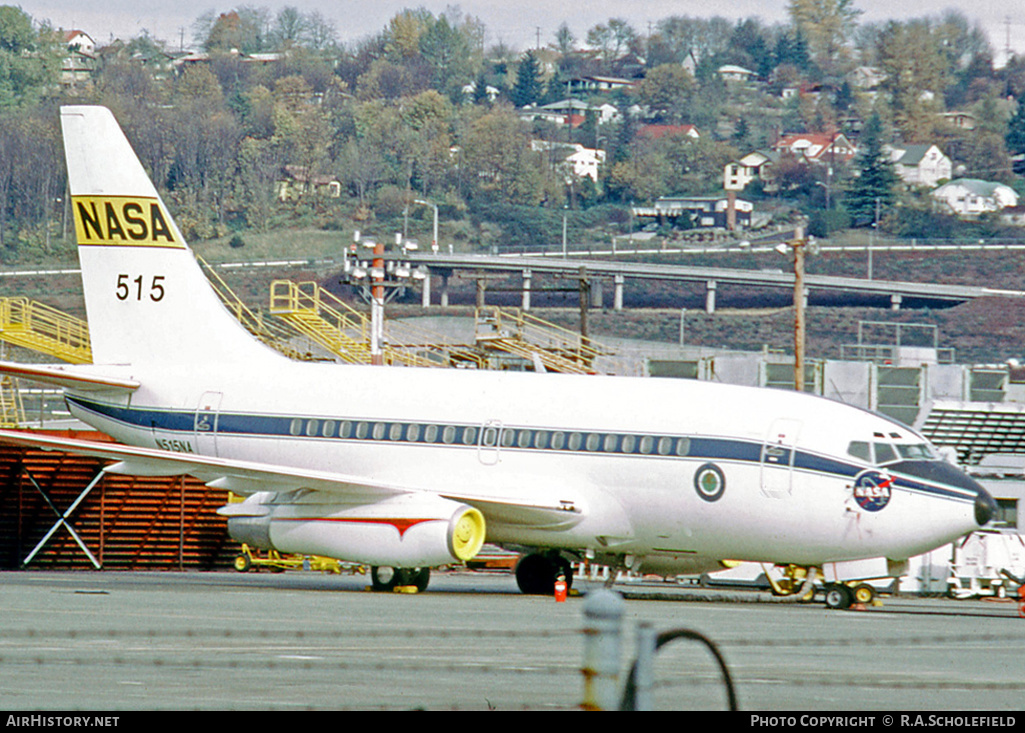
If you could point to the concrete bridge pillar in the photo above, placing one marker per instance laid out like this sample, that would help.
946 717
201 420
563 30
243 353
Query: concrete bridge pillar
617 298
895 301
710 296
426 297
596 294
526 290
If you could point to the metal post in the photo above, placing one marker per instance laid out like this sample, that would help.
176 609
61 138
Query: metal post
683 324
603 621
526 290
377 306
644 667
798 247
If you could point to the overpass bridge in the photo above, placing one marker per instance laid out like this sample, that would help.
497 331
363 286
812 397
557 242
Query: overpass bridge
618 271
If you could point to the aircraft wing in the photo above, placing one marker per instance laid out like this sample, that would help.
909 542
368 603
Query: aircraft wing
80 379
247 477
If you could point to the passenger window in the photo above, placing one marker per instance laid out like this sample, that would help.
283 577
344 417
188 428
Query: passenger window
525 436
490 437
329 429
346 430
395 431
885 453
683 446
430 433
861 450
541 439
647 443
362 430
379 430
508 438
575 441
593 441
558 440
311 427
413 433
296 427
629 443
448 434
665 446
469 436
609 444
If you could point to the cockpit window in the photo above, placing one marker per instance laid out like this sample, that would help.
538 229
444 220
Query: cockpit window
885 453
917 450
860 449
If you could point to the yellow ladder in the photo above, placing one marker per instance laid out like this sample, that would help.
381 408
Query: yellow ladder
12 412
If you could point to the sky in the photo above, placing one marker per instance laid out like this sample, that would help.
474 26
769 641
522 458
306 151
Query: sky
517 23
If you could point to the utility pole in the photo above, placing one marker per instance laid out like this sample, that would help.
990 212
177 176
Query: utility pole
798 246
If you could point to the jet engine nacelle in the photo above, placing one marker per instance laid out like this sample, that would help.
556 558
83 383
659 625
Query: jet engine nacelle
404 531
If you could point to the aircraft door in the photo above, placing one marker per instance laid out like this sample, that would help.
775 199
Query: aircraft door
490 442
778 453
205 425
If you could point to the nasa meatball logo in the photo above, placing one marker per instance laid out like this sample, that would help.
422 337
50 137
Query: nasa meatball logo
710 482
872 490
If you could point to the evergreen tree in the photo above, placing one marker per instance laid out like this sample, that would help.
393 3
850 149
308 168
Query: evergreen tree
876 182
527 89
1016 130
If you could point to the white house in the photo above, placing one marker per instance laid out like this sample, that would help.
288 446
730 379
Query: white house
970 197
573 159
921 165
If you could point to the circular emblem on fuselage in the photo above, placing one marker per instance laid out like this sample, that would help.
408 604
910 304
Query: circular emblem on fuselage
710 482
872 490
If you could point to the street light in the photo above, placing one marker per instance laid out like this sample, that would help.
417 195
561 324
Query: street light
434 243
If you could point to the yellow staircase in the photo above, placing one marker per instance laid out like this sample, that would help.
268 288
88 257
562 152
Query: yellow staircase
12 413
39 327
520 334
344 331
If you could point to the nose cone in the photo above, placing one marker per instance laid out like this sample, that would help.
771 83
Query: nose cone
985 507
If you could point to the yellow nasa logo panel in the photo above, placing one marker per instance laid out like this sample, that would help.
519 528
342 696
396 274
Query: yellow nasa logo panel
127 221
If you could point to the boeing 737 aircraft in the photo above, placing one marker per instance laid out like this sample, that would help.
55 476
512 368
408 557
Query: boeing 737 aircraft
404 469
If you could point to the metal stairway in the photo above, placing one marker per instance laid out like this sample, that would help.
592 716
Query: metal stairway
525 336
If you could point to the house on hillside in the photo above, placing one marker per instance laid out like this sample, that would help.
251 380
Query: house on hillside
572 159
79 65
817 147
968 198
656 132
921 165
731 72
296 181
701 211
755 166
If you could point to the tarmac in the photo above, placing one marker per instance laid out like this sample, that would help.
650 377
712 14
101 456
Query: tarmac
302 640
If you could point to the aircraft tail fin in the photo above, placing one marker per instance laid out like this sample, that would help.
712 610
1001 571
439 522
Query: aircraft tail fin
146 298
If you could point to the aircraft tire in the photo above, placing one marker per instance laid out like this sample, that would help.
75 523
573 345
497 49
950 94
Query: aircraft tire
419 577
536 574
839 596
243 562
384 578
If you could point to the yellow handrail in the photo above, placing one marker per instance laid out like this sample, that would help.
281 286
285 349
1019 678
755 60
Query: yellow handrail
33 325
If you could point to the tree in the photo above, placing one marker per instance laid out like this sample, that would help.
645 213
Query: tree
916 76
1016 130
528 87
827 24
874 188
666 90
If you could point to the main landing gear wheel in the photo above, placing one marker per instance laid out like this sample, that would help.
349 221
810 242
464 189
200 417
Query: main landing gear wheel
839 596
536 574
384 578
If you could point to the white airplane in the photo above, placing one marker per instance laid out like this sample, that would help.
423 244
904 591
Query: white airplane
403 469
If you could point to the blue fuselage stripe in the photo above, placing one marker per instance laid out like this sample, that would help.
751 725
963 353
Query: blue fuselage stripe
185 422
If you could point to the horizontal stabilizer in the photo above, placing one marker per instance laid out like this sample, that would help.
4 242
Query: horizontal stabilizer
75 378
